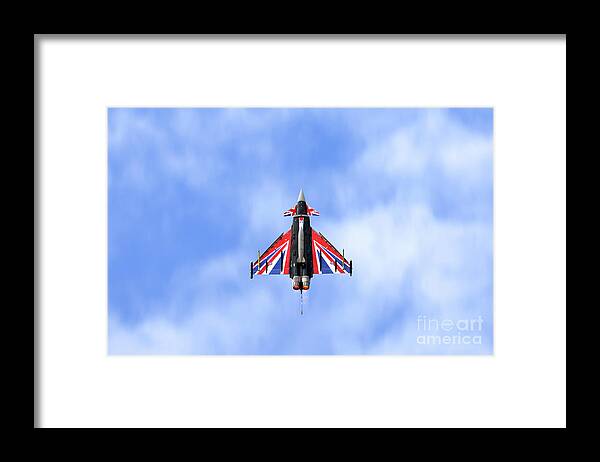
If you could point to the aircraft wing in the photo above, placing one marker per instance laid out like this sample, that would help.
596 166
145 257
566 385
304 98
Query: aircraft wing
326 258
274 260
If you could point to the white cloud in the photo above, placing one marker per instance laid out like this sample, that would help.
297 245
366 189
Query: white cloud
198 158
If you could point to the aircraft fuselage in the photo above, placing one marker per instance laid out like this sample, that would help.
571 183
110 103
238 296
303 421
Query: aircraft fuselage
301 256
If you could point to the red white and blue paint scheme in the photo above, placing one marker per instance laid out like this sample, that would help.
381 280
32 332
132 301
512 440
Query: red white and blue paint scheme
301 251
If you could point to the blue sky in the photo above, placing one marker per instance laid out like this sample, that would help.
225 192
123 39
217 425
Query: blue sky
194 193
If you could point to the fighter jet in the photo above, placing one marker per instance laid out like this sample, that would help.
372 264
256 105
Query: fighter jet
301 251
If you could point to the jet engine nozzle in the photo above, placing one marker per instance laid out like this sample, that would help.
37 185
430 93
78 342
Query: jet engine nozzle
305 282
296 283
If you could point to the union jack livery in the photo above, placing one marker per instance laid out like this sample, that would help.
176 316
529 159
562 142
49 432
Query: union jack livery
301 251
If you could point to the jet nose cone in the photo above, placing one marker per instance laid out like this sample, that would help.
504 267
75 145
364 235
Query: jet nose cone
301 196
